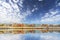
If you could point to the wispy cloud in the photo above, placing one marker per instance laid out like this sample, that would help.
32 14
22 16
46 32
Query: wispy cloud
58 4
40 0
52 16
10 13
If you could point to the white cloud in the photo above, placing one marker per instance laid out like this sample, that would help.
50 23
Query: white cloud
49 18
40 0
34 9
50 13
58 4
15 1
54 12
3 0
46 15
5 13
10 13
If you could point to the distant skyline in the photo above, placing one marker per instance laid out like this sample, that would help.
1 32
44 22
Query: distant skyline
30 11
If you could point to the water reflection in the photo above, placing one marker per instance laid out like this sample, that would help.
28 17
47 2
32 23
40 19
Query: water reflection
40 36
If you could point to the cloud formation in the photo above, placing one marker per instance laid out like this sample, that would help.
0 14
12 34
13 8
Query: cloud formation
10 12
51 17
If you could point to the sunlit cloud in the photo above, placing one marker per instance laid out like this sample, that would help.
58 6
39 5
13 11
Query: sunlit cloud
58 4
40 0
49 18
52 17
10 13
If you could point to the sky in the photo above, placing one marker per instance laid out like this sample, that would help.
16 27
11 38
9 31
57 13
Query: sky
30 11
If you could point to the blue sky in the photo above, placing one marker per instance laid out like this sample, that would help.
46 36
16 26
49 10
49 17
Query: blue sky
43 12
30 11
